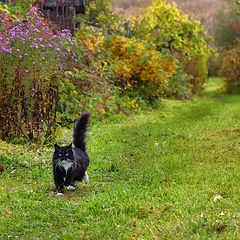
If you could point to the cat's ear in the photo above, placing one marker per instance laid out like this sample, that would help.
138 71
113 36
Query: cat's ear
56 147
69 146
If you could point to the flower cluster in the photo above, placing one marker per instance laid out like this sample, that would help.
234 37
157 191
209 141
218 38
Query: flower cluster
31 41
33 63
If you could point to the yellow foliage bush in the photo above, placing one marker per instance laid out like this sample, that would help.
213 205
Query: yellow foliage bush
90 38
139 68
134 66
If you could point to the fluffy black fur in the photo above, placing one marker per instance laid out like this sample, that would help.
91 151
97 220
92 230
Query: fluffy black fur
70 164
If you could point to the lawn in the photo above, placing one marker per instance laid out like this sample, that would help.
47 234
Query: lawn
171 173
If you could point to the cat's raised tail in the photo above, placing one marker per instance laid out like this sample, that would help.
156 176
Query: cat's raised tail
79 131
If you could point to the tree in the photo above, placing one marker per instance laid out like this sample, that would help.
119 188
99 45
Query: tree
166 26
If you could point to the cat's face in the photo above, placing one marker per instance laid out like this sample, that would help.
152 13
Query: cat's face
64 153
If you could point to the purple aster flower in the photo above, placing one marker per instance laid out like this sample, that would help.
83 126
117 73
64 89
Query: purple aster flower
64 139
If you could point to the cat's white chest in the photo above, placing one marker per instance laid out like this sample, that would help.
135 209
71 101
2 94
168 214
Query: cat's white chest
66 165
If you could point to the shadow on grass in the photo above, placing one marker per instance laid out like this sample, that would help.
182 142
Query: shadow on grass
80 192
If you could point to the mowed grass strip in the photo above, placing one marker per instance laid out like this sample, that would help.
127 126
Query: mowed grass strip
166 174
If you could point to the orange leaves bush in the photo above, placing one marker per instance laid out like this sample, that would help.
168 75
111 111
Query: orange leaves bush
137 67
134 66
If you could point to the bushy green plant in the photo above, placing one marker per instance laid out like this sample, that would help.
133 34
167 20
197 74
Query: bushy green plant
179 86
69 105
99 14
17 8
166 28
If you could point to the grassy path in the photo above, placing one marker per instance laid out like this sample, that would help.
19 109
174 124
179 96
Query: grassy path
169 174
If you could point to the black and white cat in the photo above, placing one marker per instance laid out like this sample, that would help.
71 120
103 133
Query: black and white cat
70 164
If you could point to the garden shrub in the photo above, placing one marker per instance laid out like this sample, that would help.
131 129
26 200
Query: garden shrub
92 72
99 14
230 69
92 76
138 68
167 28
134 65
142 63
33 60
179 86
17 8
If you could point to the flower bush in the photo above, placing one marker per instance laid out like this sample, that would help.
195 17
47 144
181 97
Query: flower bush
33 61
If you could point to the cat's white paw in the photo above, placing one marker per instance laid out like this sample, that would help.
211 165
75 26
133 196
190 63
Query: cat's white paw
60 194
70 187
85 178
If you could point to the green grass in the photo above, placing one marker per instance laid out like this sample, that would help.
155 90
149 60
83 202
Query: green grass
152 176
